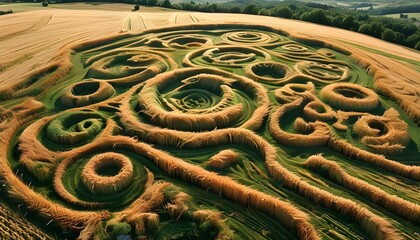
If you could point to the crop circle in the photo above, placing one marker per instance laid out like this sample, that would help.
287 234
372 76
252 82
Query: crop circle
107 173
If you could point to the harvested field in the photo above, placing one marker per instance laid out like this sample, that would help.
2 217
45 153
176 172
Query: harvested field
170 125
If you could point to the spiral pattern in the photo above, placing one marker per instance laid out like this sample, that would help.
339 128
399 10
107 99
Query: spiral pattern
186 131
86 93
386 134
128 65
225 56
293 91
74 128
293 47
252 38
201 100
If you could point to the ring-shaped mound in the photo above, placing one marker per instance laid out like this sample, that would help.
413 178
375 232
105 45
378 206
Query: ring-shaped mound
268 72
103 174
128 65
322 72
73 128
225 56
107 173
189 41
49 139
293 47
349 97
200 99
86 93
252 38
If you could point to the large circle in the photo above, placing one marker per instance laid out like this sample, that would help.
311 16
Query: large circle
200 100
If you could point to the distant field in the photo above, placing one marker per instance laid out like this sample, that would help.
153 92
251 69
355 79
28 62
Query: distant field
163 124
410 15
25 7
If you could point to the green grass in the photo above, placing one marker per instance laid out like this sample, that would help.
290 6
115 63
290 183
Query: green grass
410 15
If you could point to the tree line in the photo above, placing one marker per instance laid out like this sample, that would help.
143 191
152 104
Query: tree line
400 31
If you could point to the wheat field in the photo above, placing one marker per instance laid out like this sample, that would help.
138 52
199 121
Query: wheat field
181 125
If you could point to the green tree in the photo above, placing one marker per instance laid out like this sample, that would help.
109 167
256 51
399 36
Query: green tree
388 35
375 29
299 13
348 22
166 4
409 29
152 2
417 46
264 12
336 22
284 12
413 39
364 28
251 9
177 6
363 17
215 7
293 7
316 16
235 9
399 38
187 6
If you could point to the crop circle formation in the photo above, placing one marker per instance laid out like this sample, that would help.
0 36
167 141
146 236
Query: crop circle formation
210 131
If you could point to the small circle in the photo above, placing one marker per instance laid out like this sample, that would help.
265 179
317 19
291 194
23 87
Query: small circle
267 71
294 47
252 37
349 97
188 42
72 128
380 126
323 72
86 93
107 173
